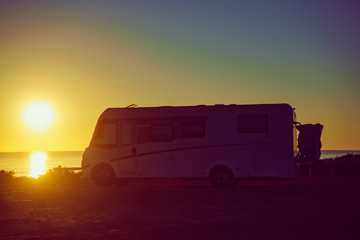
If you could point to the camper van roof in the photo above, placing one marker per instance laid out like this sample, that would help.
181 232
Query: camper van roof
203 106
171 110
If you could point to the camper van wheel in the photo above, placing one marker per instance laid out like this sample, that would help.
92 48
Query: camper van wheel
103 175
222 176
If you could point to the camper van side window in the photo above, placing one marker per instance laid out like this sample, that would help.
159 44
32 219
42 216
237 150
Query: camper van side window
144 133
193 130
161 133
107 135
253 123
126 133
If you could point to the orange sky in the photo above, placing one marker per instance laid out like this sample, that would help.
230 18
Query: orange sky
82 59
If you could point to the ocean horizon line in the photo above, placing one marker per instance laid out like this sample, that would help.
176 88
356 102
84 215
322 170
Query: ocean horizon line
55 151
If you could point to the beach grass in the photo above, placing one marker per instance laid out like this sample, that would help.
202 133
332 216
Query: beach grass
50 178
346 157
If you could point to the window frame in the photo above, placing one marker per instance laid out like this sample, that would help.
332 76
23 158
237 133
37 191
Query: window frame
120 133
171 136
98 132
185 134
143 133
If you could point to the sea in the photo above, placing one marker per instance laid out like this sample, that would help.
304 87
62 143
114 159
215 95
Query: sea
22 163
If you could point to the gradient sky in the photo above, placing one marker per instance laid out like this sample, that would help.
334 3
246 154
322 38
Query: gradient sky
85 56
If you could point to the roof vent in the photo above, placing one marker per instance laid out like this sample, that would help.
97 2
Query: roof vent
132 106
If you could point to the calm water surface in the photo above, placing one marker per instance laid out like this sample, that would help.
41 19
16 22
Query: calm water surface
20 162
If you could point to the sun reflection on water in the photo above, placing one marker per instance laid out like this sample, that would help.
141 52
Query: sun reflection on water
37 164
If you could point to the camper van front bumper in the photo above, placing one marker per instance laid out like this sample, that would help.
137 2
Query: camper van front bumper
86 166
86 170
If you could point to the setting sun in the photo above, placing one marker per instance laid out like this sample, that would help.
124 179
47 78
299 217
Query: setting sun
39 115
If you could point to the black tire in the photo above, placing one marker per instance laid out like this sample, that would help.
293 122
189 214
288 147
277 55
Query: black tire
103 175
222 176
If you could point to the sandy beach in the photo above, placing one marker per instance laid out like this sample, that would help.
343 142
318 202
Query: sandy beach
304 208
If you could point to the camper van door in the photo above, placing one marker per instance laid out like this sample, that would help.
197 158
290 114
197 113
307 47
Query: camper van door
127 147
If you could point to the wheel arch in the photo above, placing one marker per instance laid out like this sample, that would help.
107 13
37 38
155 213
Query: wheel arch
99 165
220 164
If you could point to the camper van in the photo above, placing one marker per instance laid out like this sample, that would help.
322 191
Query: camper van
223 143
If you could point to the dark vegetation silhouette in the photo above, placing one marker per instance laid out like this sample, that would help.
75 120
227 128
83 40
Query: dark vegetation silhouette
6 176
51 177
342 166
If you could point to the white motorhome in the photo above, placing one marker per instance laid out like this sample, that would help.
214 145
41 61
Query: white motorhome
222 142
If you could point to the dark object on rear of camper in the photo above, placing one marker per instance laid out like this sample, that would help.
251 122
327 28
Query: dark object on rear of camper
309 142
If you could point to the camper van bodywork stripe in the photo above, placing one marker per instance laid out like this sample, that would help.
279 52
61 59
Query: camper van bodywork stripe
191 148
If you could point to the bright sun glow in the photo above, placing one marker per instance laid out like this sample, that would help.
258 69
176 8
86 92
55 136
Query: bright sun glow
37 164
39 115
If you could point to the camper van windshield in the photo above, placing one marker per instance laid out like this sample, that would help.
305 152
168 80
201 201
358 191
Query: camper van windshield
106 135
